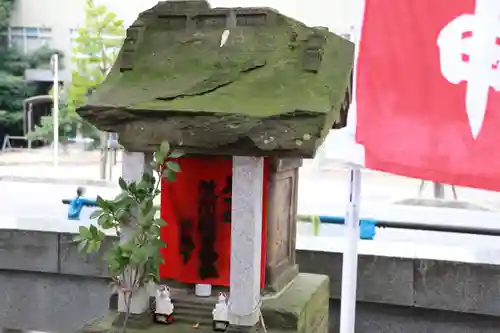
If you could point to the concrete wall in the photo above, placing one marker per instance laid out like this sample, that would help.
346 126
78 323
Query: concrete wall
414 296
45 284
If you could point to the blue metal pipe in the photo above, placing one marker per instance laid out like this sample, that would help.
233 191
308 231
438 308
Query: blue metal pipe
367 227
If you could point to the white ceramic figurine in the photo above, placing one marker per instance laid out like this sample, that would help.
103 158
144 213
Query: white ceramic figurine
220 314
164 308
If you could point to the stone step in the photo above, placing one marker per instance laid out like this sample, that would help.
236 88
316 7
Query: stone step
193 312
194 306
188 298
190 320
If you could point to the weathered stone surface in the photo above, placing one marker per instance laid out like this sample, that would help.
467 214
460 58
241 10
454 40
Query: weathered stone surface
302 307
29 250
459 287
50 302
281 222
383 318
275 88
75 262
380 279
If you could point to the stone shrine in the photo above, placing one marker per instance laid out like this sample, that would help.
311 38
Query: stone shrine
246 93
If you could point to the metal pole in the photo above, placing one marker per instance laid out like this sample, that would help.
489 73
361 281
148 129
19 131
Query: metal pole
350 256
55 113
29 121
438 190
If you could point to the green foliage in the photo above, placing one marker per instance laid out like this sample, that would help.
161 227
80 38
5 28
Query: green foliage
45 130
41 58
93 55
133 262
13 88
95 51
6 7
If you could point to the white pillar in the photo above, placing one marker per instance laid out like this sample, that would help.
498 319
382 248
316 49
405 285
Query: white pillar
133 166
246 240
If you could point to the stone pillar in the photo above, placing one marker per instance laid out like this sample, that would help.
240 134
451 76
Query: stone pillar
133 167
281 267
246 240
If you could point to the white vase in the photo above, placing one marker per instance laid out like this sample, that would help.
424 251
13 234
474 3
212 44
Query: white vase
203 290
139 302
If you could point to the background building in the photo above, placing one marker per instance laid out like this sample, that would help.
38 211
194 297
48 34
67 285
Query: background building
54 23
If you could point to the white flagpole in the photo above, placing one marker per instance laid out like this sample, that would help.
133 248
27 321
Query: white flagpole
55 113
350 256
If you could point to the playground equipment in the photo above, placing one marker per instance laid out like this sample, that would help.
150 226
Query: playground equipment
438 190
34 108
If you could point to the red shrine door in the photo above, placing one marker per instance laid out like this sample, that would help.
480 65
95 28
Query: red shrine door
197 208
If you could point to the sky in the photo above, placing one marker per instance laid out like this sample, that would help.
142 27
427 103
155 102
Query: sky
338 15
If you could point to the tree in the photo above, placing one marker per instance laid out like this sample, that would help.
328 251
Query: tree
45 130
13 88
96 46
134 260
95 51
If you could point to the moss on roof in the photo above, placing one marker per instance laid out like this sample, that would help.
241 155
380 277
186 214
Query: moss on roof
270 66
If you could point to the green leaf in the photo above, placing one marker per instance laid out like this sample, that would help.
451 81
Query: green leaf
169 175
159 158
165 148
139 255
95 214
93 246
101 203
94 231
106 222
176 154
78 238
160 222
146 207
122 216
174 166
84 231
147 178
82 245
123 184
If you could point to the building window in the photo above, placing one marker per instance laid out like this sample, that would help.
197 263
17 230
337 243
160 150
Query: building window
29 39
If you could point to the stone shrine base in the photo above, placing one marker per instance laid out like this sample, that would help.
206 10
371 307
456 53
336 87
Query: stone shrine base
301 308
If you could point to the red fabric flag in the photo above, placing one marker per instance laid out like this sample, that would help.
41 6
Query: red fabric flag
427 104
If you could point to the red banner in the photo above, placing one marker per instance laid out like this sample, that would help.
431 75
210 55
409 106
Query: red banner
427 90
197 208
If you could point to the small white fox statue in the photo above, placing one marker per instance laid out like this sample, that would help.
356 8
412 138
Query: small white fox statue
220 314
164 308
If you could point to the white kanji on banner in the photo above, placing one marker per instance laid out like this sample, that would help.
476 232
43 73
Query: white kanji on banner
469 52
427 92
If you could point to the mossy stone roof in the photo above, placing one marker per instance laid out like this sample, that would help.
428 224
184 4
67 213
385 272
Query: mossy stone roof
274 88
